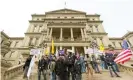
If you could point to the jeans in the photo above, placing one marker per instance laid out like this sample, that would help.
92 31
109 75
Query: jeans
83 68
115 66
96 67
53 76
110 70
78 77
102 64
39 74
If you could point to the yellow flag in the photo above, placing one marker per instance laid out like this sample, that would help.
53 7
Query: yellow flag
46 51
101 47
52 46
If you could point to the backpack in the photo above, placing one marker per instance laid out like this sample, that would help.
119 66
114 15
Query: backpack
109 59
52 66
60 66
70 60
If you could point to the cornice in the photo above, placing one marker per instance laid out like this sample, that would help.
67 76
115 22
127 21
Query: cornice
32 33
4 34
115 38
92 15
127 34
18 38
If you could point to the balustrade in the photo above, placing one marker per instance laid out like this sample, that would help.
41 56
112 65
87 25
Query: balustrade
126 69
13 71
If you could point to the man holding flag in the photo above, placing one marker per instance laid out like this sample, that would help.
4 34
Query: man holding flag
126 53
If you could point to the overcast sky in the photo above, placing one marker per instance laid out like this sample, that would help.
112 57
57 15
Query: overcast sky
117 15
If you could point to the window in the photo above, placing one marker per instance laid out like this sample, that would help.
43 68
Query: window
40 28
65 17
58 17
35 28
72 17
101 41
91 28
93 19
97 28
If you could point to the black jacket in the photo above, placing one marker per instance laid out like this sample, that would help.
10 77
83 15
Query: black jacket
42 64
27 63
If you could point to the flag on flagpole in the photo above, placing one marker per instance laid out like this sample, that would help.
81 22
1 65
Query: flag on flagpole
46 51
52 46
125 55
31 66
101 47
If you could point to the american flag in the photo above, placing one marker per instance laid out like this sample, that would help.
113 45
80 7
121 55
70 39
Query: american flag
125 55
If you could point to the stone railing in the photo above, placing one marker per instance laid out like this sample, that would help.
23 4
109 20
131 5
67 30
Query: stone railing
13 71
127 69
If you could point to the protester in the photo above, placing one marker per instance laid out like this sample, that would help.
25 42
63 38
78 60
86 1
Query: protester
115 65
71 61
82 63
78 69
89 67
61 68
26 66
52 68
42 67
95 64
102 58
109 60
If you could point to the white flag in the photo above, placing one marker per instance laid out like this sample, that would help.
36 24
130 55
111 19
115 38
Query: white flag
31 66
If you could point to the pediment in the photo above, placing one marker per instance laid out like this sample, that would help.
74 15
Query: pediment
66 11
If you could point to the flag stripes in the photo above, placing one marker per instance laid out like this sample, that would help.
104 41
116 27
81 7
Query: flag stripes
123 56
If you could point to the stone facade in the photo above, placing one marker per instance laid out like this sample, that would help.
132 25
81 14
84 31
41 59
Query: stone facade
69 28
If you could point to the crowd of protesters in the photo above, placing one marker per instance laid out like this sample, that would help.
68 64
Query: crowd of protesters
70 66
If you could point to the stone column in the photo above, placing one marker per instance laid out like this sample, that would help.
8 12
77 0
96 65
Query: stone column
37 28
61 33
48 33
27 41
82 34
13 44
29 28
73 49
84 49
98 41
85 33
32 28
60 47
24 41
101 29
94 29
51 33
72 39
56 49
34 41
106 41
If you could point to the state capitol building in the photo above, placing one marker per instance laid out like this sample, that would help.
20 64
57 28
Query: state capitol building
68 28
